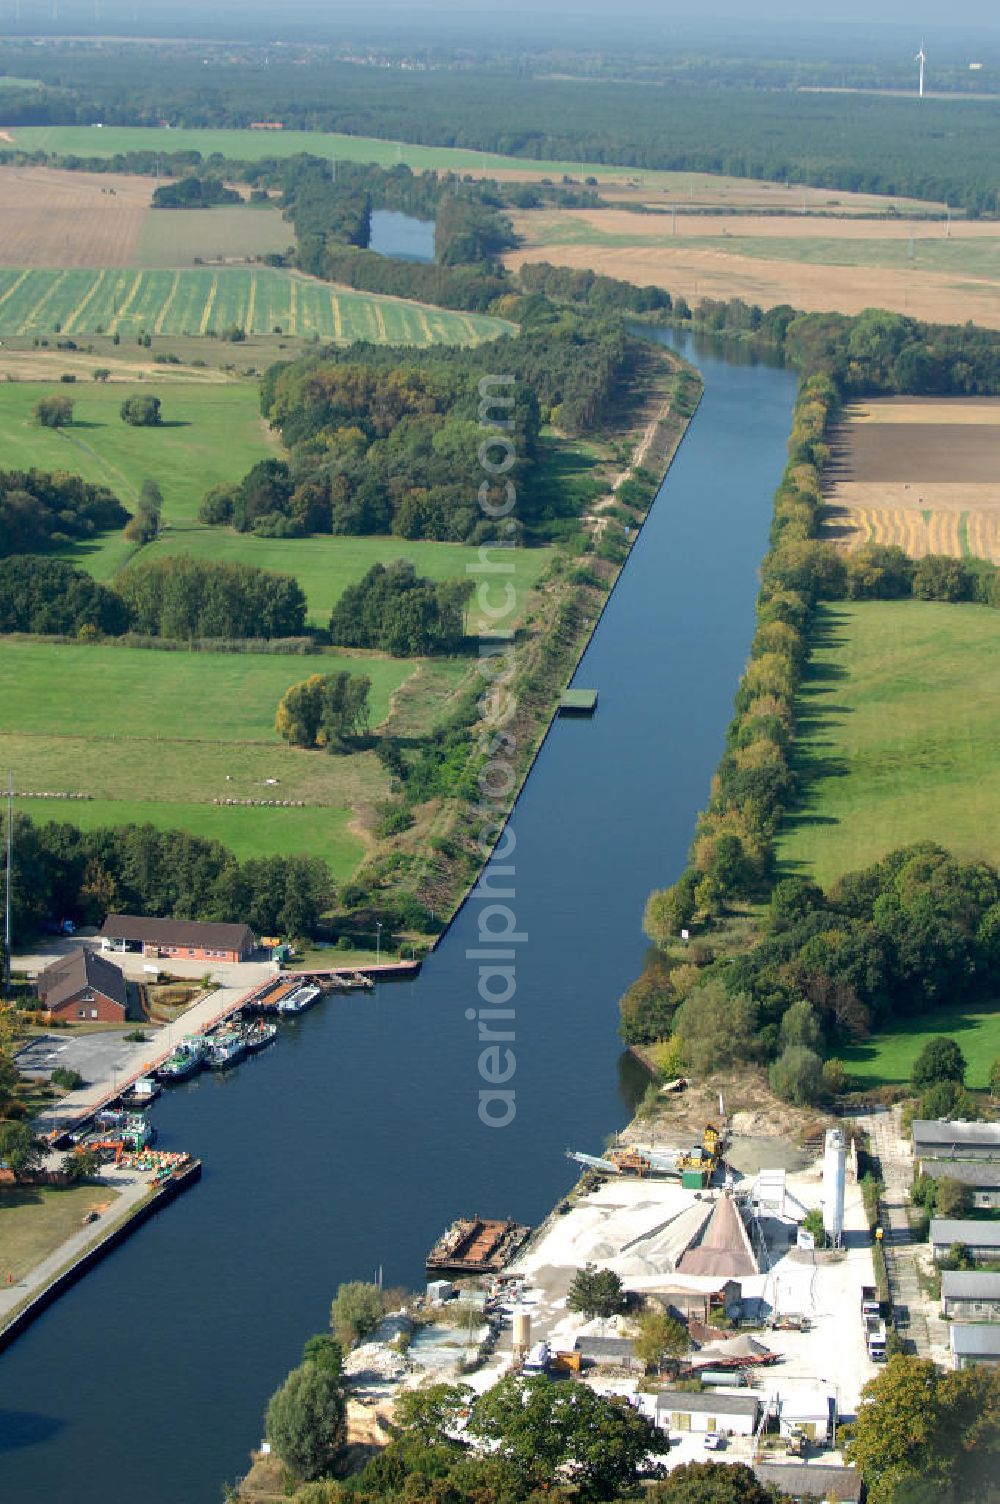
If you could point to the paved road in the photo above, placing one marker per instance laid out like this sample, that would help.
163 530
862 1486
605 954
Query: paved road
916 1311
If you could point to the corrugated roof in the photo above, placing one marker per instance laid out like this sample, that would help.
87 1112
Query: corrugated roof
938 1133
71 974
811 1480
724 1248
976 1234
188 932
978 1172
975 1339
970 1284
708 1404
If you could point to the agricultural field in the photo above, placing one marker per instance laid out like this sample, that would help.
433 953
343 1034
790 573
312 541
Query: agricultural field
816 258
79 301
888 1058
177 237
52 218
898 738
191 730
631 183
918 472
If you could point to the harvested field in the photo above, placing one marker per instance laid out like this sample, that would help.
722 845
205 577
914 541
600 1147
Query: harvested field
50 218
922 473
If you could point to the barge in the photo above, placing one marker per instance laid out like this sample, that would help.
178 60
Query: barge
475 1245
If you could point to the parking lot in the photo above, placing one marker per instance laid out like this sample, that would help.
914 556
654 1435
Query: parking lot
94 1056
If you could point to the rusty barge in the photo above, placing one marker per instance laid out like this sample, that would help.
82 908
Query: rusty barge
475 1245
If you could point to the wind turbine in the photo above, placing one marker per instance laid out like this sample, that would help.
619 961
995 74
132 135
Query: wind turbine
921 58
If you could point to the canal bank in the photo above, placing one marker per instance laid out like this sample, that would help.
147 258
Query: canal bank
353 1144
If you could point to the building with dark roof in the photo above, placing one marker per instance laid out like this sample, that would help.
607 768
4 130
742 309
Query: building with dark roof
806 1481
943 1140
607 1352
981 1238
180 939
970 1295
83 986
737 1414
982 1176
973 1344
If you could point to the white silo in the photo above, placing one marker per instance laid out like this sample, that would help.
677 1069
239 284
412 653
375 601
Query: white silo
833 1186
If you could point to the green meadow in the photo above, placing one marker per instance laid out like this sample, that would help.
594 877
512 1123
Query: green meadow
887 1060
899 736
157 736
203 300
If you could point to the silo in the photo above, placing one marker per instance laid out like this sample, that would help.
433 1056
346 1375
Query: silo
522 1331
833 1186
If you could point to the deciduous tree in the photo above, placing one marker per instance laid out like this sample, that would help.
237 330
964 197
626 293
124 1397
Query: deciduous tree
305 1421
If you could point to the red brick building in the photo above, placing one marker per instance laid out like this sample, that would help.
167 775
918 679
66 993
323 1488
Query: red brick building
83 986
177 939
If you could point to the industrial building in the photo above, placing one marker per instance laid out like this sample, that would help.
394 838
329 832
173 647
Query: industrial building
982 1176
981 1238
944 1140
807 1481
180 939
970 1295
975 1344
83 987
677 1411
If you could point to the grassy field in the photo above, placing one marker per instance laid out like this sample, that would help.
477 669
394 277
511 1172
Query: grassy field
324 566
211 433
247 145
174 237
157 736
887 1060
200 300
34 1220
899 736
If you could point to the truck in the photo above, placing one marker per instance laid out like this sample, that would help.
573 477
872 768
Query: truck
538 1359
871 1321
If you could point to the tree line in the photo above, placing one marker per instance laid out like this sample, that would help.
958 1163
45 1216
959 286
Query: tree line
60 872
39 510
179 598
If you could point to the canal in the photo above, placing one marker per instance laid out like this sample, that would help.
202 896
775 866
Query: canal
354 1141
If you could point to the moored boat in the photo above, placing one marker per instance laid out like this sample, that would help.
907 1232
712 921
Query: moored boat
257 1036
186 1060
299 1000
224 1050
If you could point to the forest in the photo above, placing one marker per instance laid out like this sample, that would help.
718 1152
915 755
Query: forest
873 143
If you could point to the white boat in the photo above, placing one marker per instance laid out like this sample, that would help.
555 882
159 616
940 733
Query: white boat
299 1000
224 1050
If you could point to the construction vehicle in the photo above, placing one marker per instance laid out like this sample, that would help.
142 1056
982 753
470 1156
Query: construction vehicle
700 1163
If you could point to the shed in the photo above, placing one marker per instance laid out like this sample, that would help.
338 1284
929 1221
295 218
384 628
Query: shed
735 1413
806 1481
975 1343
697 1300
943 1140
84 986
981 1238
970 1295
811 1411
606 1352
982 1176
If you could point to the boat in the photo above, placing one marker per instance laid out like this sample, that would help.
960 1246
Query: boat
186 1060
477 1245
258 1036
142 1093
299 1000
224 1050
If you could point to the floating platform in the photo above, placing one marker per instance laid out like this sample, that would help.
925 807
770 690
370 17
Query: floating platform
474 1245
578 702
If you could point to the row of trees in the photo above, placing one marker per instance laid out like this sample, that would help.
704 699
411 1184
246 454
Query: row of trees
395 609
179 598
61 872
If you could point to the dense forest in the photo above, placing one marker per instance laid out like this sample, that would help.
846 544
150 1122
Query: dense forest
948 150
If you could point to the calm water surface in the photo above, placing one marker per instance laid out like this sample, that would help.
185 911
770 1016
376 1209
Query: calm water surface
401 235
355 1140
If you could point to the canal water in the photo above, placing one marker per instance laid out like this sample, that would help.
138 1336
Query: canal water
355 1140
401 235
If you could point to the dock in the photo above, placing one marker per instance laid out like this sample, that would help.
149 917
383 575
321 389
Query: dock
476 1245
578 702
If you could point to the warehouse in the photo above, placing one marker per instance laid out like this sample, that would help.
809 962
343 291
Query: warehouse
981 1238
180 939
982 1176
942 1140
975 1345
736 1414
970 1295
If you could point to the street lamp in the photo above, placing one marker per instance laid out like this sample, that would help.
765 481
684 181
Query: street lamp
378 941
